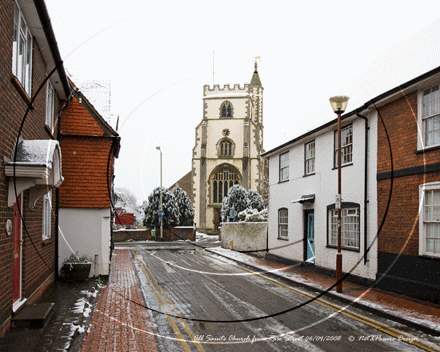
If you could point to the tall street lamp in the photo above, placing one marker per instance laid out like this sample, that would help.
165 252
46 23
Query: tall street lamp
161 205
339 105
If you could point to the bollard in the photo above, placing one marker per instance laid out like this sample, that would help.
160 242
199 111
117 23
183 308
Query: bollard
232 242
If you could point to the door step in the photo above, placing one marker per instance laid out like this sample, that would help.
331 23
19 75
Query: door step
33 316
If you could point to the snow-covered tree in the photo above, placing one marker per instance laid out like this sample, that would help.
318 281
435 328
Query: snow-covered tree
170 208
124 199
255 200
237 198
247 203
186 212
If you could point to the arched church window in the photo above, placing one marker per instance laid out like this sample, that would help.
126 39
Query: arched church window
226 148
226 110
224 179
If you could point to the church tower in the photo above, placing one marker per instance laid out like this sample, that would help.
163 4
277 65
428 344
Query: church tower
229 142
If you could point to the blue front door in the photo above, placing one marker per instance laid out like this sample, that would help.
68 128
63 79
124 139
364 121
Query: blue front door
310 238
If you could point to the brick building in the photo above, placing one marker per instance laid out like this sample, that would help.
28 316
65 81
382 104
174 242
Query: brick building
408 184
89 146
30 158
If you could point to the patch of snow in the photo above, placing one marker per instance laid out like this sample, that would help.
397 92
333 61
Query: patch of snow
89 294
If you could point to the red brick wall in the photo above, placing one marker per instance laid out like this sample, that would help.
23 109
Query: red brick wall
37 268
400 231
84 171
77 120
85 160
12 109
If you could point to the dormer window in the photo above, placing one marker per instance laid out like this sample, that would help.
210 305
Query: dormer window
226 110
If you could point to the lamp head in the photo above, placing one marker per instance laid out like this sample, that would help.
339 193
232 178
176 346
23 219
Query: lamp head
339 104
158 148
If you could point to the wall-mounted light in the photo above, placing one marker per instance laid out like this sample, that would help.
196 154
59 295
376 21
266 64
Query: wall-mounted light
9 227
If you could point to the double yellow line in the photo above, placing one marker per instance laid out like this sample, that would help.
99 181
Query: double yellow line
398 334
161 296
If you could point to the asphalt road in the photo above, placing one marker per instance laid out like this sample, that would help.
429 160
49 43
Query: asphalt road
198 301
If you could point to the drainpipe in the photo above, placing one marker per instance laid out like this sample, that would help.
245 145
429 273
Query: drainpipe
57 192
365 188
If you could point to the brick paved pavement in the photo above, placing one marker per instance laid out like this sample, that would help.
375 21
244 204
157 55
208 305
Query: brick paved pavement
118 324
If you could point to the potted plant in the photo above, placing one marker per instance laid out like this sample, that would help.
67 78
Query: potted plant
76 267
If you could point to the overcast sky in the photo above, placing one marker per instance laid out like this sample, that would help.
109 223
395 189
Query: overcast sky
159 54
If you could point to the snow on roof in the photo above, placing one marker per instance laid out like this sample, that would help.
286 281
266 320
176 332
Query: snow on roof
35 153
99 94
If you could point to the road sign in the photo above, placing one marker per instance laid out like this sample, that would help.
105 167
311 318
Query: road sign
160 214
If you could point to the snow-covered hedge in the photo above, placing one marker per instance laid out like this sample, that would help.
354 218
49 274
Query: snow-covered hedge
253 215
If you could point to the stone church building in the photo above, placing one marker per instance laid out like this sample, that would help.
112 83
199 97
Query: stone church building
229 142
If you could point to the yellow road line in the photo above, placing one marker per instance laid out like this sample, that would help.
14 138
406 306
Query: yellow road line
401 335
176 311
173 325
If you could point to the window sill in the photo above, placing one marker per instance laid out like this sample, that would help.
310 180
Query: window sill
283 238
21 90
284 181
344 248
428 149
342 166
430 256
307 175
47 241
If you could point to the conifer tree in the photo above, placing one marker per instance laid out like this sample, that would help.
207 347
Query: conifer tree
186 212
169 206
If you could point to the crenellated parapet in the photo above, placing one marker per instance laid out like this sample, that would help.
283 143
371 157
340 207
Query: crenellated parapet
216 89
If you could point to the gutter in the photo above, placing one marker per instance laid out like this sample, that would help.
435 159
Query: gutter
50 36
365 188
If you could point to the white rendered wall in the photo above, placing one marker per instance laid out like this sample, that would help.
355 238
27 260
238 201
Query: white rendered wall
86 231
323 184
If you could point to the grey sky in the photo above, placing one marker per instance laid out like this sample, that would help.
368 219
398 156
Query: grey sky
159 54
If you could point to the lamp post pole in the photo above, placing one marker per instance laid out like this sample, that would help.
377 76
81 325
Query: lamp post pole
339 254
339 105
161 205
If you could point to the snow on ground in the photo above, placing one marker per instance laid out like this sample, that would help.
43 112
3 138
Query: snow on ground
203 237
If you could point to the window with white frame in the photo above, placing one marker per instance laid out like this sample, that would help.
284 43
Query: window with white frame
283 223
431 116
309 158
429 219
350 227
22 50
47 215
346 146
50 106
284 167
